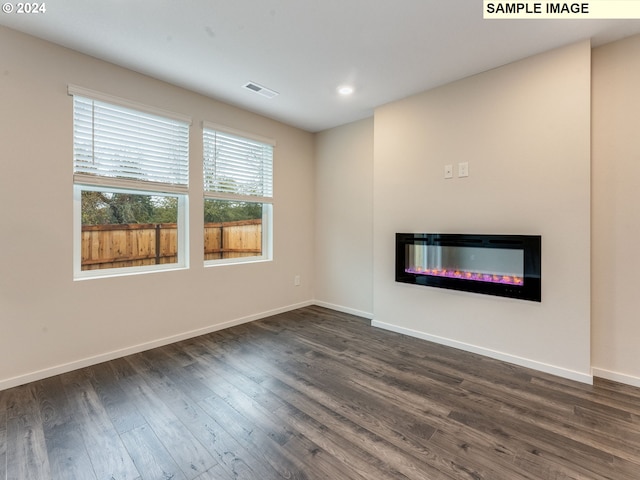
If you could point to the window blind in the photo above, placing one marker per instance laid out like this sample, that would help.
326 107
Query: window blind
237 166
125 147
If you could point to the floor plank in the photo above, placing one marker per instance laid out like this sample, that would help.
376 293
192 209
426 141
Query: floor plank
225 450
150 456
104 446
106 382
68 456
316 394
3 443
190 455
27 457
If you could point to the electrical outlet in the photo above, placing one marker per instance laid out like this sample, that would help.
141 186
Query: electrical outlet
463 169
296 280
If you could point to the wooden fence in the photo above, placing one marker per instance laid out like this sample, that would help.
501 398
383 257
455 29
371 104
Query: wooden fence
232 239
115 246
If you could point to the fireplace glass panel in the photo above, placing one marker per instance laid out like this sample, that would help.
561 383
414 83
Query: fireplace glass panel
493 265
502 265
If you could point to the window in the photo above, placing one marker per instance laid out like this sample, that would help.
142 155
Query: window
131 176
238 191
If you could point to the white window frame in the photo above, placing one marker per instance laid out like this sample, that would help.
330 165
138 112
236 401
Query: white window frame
182 224
265 201
83 182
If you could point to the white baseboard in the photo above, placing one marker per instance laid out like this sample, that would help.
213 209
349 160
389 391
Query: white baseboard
340 308
104 357
616 377
523 362
93 360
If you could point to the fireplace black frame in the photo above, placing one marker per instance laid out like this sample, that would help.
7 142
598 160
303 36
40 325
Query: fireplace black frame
531 245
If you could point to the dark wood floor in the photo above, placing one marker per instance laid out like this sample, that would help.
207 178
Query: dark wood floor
316 394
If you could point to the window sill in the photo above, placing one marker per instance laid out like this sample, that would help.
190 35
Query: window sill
124 272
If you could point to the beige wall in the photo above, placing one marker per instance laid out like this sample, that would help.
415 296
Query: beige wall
50 323
344 216
525 131
616 219
523 128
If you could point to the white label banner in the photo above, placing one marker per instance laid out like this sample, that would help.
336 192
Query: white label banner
587 10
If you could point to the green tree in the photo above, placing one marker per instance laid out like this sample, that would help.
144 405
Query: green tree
230 211
165 209
95 209
101 208
131 208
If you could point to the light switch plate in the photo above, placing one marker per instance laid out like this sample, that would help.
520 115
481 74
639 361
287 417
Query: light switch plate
448 171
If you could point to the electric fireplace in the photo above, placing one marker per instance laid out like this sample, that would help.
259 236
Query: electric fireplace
503 265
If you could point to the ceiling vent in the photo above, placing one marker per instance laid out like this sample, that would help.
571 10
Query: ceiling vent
264 91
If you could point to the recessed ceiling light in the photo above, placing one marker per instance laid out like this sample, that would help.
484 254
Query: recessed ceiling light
345 90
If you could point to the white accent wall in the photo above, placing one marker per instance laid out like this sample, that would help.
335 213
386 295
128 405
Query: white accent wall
524 129
616 212
50 323
344 218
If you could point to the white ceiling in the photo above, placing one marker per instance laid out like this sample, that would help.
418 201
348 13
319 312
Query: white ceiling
305 49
